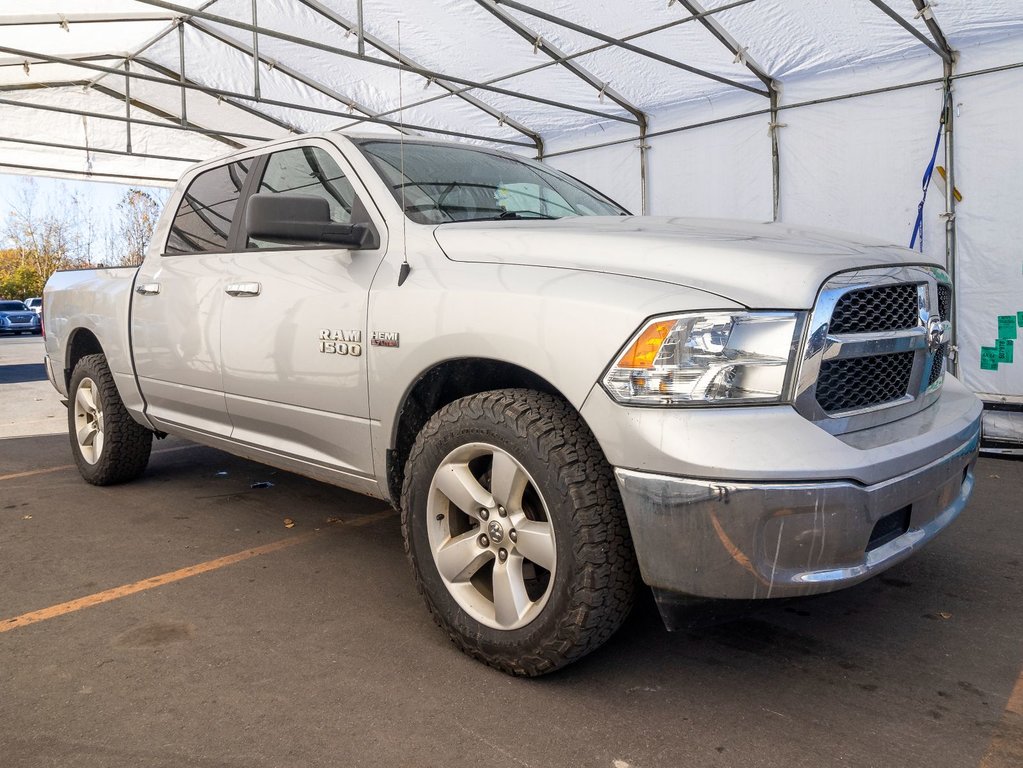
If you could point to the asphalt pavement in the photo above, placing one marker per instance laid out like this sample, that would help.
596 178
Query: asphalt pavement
220 613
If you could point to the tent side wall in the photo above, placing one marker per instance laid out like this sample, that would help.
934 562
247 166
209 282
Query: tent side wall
988 173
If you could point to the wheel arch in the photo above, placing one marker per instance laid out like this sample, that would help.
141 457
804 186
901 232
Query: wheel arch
80 343
442 384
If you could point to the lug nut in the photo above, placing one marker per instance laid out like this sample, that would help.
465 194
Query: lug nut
484 540
502 555
513 535
484 514
502 511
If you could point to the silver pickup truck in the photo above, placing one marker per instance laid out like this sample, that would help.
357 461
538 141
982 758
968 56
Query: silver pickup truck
558 396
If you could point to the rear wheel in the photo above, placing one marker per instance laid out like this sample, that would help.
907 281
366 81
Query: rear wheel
515 531
109 446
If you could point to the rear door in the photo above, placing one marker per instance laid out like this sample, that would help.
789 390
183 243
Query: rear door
294 335
178 302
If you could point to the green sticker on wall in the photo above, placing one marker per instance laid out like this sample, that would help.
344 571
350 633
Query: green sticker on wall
989 358
1019 319
1004 350
1006 327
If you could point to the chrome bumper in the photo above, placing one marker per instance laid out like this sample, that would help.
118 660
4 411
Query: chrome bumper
747 540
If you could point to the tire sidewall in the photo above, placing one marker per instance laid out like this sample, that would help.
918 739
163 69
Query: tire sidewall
87 369
559 508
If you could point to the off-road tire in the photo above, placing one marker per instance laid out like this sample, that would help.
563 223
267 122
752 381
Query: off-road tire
595 578
126 443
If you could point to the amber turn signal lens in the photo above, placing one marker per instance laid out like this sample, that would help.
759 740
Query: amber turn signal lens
645 349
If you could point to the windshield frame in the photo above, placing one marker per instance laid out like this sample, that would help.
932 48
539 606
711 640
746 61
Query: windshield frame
533 165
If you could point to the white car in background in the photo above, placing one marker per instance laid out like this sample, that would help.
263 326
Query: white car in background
35 304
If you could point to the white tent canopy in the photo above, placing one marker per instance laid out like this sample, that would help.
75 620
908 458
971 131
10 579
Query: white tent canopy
803 111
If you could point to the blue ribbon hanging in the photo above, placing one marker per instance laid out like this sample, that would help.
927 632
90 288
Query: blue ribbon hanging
918 227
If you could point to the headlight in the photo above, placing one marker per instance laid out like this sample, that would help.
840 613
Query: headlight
719 357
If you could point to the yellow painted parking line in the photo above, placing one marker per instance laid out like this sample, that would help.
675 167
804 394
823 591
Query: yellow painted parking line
25 619
62 467
1006 748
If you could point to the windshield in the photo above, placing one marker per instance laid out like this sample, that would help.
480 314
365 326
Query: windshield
11 306
443 183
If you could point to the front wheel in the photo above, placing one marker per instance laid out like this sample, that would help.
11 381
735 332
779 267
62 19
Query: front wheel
515 531
109 446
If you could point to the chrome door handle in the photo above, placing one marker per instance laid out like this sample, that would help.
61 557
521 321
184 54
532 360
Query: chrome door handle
242 289
147 289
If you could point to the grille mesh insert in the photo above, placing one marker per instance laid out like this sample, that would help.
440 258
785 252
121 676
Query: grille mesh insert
937 367
885 308
863 382
945 301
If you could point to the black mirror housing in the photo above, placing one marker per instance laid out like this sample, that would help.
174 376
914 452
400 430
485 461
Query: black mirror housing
300 218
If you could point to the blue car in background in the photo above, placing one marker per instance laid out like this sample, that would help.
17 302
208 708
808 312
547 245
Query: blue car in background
16 318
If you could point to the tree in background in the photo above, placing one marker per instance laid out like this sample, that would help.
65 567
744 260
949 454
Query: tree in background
41 235
45 238
17 279
139 211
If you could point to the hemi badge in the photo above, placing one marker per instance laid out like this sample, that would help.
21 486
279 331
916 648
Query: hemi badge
384 339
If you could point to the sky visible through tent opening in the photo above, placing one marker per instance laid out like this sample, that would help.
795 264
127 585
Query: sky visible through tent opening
99 200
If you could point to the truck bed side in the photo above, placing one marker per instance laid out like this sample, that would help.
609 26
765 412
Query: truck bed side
87 311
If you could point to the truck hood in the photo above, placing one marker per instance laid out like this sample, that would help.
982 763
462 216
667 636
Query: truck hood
774 266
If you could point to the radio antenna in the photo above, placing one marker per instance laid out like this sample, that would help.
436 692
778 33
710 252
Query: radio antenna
405 269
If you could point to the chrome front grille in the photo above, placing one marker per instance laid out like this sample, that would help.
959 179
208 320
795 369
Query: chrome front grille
876 347
869 310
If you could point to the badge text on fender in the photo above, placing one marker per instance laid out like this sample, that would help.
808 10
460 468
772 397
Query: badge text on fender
340 342
384 339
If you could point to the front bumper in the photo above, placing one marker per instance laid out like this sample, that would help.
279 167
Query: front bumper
725 539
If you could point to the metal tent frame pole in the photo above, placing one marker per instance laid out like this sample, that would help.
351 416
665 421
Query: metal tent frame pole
945 55
425 73
185 83
408 63
619 43
97 150
258 58
742 56
603 88
951 236
171 126
556 61
223 94
79 174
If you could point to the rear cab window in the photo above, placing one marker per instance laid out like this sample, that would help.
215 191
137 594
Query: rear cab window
204 218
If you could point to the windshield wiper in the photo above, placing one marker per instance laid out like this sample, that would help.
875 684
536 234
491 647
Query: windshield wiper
509 215
519 215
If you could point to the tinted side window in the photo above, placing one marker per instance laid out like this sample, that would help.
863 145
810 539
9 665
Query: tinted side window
308 171
203 221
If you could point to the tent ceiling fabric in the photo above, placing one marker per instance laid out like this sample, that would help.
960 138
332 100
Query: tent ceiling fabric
510 74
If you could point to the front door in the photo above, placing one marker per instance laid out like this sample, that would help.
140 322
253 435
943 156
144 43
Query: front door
294 324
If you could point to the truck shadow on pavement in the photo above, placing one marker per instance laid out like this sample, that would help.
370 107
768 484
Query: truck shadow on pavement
21 373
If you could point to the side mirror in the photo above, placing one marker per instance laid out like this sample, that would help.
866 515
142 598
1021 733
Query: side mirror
300 218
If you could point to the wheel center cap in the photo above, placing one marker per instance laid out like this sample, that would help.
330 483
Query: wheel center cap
496 532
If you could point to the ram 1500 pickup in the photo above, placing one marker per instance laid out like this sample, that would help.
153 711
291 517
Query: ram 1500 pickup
559 397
